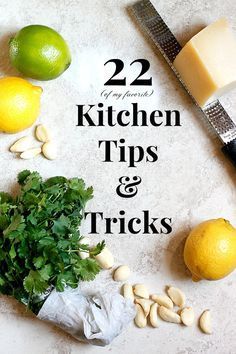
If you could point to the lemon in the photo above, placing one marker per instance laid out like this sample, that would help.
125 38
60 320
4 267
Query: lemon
210 250
19 104
39 52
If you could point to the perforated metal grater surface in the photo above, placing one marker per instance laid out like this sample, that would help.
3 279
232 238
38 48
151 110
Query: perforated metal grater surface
221 121
163 38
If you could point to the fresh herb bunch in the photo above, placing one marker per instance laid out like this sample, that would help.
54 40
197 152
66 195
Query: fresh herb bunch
40 238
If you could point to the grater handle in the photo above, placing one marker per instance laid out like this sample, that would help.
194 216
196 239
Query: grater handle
230 151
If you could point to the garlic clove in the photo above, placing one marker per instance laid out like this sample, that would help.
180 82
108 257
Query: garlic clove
128 292
163 300
49 150
42 133
30 154
169 315
177 296
141 291
146 305
187 316
105 259
122 273
153 315
140 318
21 144
205 322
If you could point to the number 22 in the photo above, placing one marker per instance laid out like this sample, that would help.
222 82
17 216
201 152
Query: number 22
145 65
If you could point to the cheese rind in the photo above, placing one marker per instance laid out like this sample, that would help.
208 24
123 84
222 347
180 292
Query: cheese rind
207 63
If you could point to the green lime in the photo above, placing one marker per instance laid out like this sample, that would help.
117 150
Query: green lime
39 52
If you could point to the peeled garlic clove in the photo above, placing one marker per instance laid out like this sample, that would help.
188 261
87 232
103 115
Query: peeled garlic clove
187 316
42 133
140 319
205 322
141 291
177 296
49 150
128 292
122 273
168 315
105 259
153 315
21 144
163 300
146 305
84 254
30 154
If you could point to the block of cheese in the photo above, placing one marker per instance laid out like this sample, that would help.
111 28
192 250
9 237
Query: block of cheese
207 63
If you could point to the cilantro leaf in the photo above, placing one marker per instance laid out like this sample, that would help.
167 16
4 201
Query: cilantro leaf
86 269
98 248
55 181
12 252
16 224
5 198
38 262
22 176
34 283
61 225
66 278
46 272
40 238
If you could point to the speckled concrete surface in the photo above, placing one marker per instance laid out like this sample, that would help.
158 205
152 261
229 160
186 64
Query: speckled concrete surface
191 181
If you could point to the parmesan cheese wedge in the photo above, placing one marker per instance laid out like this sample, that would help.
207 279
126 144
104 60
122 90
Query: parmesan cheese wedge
207 63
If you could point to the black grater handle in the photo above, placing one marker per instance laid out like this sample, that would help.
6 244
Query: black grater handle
230 151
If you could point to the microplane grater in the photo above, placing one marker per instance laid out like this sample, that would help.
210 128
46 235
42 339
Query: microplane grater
153 24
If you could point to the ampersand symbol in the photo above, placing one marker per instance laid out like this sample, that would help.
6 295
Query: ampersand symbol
127 189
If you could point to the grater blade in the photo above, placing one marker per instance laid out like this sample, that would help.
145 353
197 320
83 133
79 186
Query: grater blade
150 20
157 29
220 121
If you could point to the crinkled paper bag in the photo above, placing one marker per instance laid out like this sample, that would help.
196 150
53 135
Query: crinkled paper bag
96 319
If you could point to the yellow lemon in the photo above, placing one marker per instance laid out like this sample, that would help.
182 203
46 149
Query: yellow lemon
19 104
210 250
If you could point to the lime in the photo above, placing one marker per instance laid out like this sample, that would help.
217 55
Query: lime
39 52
